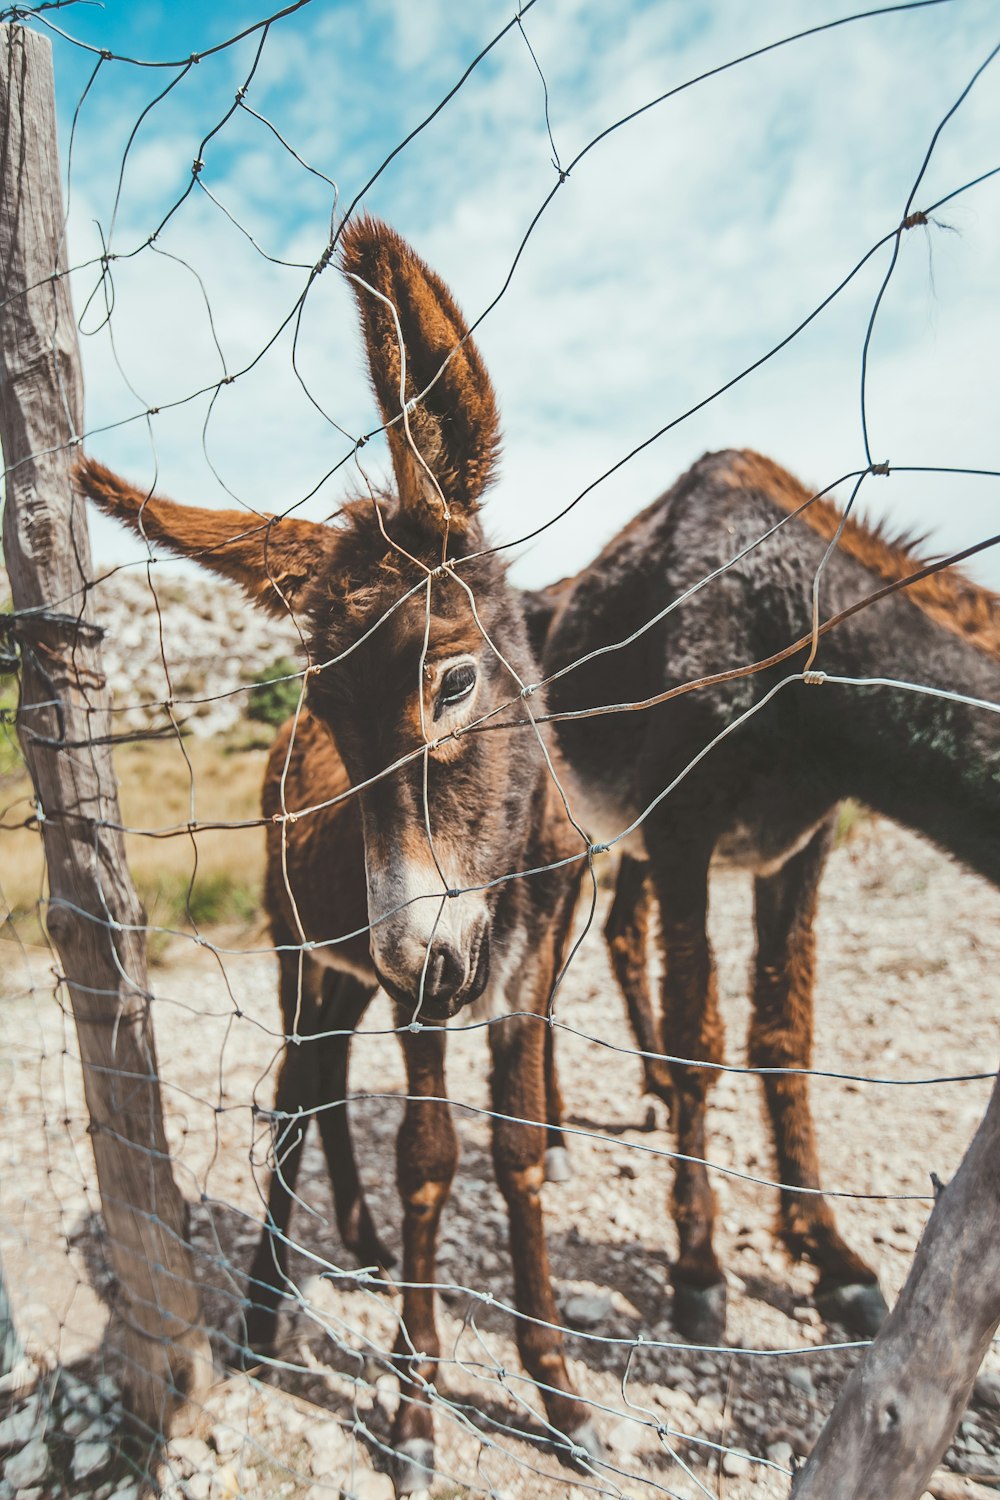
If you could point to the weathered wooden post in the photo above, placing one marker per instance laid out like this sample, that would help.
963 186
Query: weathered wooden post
94 916
900 1406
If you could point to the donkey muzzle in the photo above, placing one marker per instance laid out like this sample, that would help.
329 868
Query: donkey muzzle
446 978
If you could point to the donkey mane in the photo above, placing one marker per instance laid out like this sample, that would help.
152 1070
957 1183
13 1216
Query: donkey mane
950 597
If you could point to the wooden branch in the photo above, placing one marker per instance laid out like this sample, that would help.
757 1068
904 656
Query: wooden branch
901 1404
90 890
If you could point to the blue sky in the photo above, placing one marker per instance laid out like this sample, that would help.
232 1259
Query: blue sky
678 251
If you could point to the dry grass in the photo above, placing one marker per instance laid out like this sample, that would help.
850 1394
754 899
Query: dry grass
205 879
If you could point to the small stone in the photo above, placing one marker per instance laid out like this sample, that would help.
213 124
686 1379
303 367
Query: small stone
108 1391
190 1454
226 1484
225 1439
128 1491
28 1466
75 1422
387 1394
330 1447
623 1216
713 1401
799 1377
90 1459
18 1378
587 1309
87 1399
198 1487
71 1389
97 1430
368 1484
734 1464
16 1429
781 1453
625 1437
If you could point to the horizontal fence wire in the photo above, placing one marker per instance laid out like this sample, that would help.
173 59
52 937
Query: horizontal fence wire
342 1396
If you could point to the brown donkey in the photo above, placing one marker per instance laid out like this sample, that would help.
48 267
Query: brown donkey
315 884
407 650
765 797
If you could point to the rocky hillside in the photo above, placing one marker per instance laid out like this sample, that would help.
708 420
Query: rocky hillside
213 644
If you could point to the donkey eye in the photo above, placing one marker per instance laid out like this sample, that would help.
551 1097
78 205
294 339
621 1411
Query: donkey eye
456 684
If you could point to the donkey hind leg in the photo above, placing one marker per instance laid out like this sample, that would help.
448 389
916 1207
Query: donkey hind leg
517 1044
296 1097
781 1034
627 935
426 1156
558 1164
345 1000
693 1024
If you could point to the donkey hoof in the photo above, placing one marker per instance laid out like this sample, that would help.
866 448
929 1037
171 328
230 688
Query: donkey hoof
413 1466
859 1307
581 1448
558 1166
700 1312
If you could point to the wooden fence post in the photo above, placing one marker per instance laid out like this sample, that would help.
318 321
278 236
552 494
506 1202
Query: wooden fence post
901 1404
94 917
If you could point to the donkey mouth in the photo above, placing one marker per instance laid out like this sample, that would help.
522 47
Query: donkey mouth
439 997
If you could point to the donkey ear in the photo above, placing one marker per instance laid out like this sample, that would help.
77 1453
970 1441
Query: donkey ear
274 558
454 426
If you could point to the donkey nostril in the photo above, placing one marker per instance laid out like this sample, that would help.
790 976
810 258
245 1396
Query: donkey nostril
445 971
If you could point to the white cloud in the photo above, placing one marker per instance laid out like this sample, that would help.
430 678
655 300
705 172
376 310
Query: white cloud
678 251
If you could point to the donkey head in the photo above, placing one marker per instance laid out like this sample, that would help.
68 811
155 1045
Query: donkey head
413 635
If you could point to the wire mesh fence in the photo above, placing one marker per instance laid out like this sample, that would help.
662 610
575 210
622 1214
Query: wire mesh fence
511 771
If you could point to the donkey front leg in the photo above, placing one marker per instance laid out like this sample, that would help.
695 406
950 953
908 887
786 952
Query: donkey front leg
296 1097
627 935
426 1157
781 1034
519 1131
345 1000
693 1025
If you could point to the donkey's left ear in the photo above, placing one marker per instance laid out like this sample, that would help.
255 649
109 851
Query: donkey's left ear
275 559
454 426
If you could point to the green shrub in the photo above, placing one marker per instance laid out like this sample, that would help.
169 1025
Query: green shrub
272 700
10 751
214 898
851 816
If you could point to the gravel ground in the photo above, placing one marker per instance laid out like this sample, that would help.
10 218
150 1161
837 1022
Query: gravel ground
909 954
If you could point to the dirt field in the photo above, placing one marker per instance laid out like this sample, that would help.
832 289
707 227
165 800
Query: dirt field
908 988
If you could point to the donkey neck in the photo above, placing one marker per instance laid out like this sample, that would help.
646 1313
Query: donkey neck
930 762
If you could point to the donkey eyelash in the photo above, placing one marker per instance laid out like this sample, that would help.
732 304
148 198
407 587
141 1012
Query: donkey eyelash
456 685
